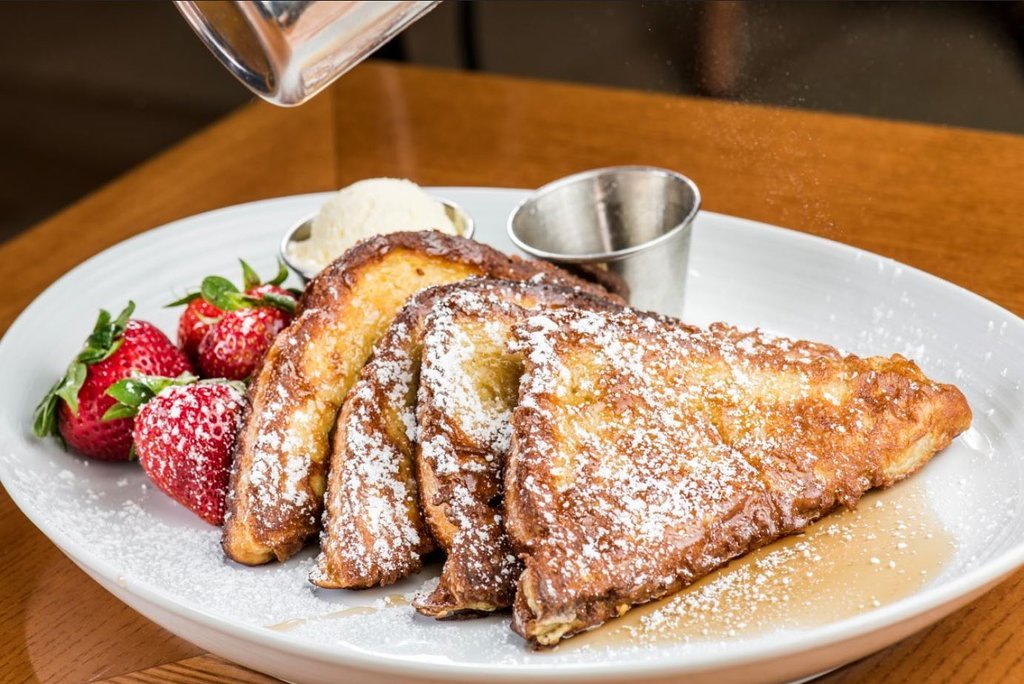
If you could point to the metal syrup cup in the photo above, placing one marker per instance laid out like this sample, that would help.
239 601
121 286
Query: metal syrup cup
634 221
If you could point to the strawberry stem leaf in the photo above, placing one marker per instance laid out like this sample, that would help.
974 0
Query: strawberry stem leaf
119 411
71 383
131 393
272 300
282 302
282 274
44 421
106 336
220 292
250 278
187 299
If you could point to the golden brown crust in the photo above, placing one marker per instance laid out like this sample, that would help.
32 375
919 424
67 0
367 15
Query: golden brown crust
645 454
322 291
373 532
279 472
468 387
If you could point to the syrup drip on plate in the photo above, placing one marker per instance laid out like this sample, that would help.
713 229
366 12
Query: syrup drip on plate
845 564
390 601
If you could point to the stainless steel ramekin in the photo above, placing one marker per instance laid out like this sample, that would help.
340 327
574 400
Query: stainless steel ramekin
634 221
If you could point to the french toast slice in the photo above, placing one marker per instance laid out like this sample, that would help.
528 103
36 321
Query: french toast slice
373 531
468 387
278 475
645 454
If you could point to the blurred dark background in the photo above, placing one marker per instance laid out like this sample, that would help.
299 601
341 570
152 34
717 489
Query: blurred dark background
94 88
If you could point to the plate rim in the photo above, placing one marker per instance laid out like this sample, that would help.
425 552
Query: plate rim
343 654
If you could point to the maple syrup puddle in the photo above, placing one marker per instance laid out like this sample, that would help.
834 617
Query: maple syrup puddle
390 601
845 564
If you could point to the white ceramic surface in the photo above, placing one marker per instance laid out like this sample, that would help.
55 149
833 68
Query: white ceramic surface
166 563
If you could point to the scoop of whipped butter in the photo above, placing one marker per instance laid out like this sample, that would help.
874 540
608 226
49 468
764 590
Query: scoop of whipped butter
364 209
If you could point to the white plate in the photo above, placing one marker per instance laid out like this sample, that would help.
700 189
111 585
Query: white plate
165 563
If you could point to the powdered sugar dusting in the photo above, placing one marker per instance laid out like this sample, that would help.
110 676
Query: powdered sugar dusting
368 534
467 390
646 453
449 352
183 438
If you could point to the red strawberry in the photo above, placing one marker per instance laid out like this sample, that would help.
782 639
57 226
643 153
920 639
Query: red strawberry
196 320
183 437
235 346
219 296
74 407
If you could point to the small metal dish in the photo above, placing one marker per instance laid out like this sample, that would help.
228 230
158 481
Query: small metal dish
633 221
464 226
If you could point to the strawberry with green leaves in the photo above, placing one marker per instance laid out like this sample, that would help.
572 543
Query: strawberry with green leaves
74 407
225 330
183 434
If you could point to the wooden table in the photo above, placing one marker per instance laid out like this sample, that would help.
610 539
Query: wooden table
949 201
